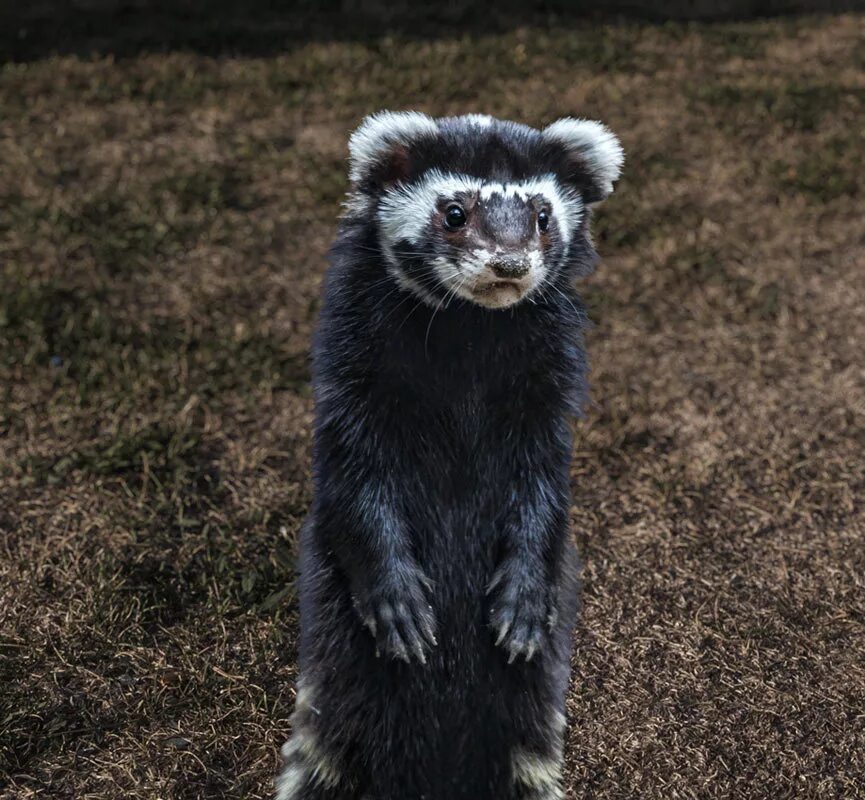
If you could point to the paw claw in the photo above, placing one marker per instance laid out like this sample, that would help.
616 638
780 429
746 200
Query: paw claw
419 653
521 612
400 618
504 627
427 628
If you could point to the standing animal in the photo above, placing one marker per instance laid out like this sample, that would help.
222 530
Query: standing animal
438 581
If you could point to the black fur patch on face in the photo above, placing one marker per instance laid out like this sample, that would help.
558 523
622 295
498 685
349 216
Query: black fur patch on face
507 220
501 151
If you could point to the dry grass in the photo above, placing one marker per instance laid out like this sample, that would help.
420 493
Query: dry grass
163 224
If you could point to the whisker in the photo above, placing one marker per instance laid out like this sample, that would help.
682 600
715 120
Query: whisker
569 302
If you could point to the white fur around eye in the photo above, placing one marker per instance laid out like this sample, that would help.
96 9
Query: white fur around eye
404 212
592 143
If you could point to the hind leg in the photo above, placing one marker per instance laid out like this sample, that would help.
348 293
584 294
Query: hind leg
536 760
312 770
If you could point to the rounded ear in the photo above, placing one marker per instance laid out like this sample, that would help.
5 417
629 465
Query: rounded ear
380 147
594 155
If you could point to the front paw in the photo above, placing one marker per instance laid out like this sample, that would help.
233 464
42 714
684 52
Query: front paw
522 610
398 614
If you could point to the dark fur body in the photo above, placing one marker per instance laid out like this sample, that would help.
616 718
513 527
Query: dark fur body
465 412
438 583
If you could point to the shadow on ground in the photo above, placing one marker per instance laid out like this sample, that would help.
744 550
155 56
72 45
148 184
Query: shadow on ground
123 28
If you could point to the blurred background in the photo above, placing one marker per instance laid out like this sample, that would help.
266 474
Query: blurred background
170 180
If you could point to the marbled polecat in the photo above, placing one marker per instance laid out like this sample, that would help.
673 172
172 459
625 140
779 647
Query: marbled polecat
438 585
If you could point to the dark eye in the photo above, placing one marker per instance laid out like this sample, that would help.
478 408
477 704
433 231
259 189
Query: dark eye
455 217
543 220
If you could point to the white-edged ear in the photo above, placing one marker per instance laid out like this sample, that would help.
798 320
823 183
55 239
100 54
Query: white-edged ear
594 150
379 146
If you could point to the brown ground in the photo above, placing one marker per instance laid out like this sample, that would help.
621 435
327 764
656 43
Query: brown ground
163 224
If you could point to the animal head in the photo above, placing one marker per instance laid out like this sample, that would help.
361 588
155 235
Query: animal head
479 208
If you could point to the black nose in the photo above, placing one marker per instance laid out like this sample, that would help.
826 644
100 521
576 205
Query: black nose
509 267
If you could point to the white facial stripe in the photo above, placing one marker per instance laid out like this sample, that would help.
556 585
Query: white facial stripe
446 270
536 260
404 215
405 211
472 265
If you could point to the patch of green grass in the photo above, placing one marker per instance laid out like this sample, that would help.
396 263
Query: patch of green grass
468 71
92 347
170 455
598 302
157 452
605 49
212 187
124 230
188 82
185 549
827 172
643 165
321 188
768 301
737 40
259 580
699 263
24 86
797 105
615 231
628 220
40 319
120 232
